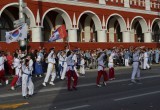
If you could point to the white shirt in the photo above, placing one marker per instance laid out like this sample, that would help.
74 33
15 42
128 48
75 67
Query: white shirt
51 58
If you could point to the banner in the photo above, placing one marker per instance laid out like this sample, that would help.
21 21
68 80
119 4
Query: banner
19 33
59 33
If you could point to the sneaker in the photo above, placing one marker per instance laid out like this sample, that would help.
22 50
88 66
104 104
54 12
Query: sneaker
104 83
25 97
44 84
98 85
51 83
133 81
6 82
12 88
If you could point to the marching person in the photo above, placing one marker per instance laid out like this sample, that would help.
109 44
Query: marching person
2 72
64 64
111 67
38 67
18 71
101 69
27 80
146 65
71 72
135 65
51 68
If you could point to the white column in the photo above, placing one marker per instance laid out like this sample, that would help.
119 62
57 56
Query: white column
37 34
72 35
148 4
126 3
147 37
101 36
103 2
126 36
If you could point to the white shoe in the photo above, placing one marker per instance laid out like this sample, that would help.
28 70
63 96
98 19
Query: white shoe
104 83
51 83
12 88
7 82
40 76
44 84
98 85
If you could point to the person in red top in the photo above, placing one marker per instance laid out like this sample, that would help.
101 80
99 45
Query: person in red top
9 62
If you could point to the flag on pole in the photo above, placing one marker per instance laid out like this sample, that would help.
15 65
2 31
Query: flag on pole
59 33
19 33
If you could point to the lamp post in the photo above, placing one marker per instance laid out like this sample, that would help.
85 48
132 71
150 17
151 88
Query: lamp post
22 43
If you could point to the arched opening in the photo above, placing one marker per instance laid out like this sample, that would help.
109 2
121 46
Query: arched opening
51 20
156 31
115 26
137 32
88 25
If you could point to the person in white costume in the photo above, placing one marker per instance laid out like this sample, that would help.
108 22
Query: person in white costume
51 68
82 69
27 80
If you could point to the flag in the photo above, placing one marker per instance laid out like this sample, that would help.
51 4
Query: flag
19 33
59 33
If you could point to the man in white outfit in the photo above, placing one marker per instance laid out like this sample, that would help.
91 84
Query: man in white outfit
146 65
51 68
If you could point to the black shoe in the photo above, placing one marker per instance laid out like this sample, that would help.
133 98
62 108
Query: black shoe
25 97
69 89
29 95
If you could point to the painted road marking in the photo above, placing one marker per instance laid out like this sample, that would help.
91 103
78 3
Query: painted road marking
83 85
135 96
12 106
77 107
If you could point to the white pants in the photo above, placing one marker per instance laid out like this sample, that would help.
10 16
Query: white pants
50 71
110 65
27 83
64 72
146 63
126 62
135 70
75 69
82 70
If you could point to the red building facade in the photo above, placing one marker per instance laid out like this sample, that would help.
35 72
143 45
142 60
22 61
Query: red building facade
90 23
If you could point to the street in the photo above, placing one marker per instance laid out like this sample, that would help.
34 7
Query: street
119 94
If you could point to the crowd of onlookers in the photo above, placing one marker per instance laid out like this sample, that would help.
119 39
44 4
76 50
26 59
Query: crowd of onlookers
122 57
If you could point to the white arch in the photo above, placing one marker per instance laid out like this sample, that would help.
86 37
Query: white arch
142 22
120 20
94 17
28 13
156 20
64 15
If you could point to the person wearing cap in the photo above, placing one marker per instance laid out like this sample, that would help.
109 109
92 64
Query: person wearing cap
71 72
50 69
101 69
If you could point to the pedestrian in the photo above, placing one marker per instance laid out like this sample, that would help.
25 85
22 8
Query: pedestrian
51 68
64 65
82 66
71 72
101 69
146 56
27 83
38 67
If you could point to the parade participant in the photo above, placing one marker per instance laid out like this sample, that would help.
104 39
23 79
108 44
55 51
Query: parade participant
101 69
2 72
71 71
18 72
51 68
38 67
9 58
111 67
82 64
27 80
126 57
141 59
135 65
64 65
74 58
146 65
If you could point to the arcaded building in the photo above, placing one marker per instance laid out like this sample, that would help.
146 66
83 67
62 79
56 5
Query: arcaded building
89 23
